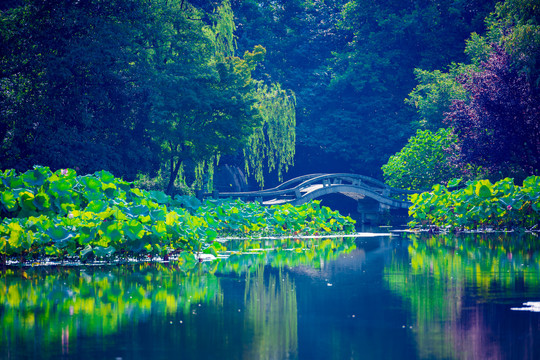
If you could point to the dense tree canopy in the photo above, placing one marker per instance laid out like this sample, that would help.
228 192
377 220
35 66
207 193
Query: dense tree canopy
133 86
71 93
351 65
491 102
423 161
127 85
499 127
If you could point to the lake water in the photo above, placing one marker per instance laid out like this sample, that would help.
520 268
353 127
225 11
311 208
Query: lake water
378 297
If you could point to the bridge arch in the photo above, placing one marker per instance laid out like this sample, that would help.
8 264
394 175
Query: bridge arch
302 189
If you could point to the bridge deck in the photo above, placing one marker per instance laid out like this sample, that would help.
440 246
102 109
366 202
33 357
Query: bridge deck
308 187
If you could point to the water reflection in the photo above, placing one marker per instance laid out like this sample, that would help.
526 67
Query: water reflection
460 290
417 297
184 307
46 305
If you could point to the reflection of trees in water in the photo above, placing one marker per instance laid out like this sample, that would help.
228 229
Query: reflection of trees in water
448 283
54 303
271 315
52 308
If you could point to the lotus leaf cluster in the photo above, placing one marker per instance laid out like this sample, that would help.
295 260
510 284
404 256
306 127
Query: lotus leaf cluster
61 214
479 205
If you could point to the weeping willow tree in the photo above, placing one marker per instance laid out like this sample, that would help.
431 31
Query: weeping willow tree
208 104
274 141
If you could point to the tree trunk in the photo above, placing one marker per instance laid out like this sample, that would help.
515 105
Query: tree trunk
175 167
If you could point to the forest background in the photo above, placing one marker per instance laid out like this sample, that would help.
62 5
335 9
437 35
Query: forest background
162 90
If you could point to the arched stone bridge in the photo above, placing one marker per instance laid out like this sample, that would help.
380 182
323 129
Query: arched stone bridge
308 187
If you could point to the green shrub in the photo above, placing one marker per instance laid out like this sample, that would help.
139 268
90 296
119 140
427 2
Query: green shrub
423 162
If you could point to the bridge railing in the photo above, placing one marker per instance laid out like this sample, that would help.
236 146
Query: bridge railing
294 189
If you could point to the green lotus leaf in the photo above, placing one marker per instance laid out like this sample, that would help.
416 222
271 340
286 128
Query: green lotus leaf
483 191
26 200
15 235
86 251
109 190
10 180
532 182
134 230
60 235
61 186
93 195
159 197
136 211
97 206
42 201
189 202
159 228
144 219
91 182
454 182
158 215
87 234
105 176
211 234
7 198
34 178
101 251
111 231
52 251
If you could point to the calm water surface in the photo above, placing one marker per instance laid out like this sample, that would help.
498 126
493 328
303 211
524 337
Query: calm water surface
375 297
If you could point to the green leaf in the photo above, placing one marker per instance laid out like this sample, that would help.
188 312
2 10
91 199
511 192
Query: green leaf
483 191
91 182
52 251
86 251
35 178
211 235
454 182
15 235
60 186
109 190
159 197
26 200
61 235
136 211
105 176
8 200
42 201
97 206
134 230
101 251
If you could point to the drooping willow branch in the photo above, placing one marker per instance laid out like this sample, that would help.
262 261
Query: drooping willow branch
274 141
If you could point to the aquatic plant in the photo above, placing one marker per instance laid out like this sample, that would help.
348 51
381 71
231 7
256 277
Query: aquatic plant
61 214
479 204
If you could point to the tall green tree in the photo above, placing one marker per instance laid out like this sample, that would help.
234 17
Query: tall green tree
202 103
489 100
128 86
71 92
350 64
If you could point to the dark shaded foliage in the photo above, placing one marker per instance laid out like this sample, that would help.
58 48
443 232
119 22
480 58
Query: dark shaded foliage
499 128
351 65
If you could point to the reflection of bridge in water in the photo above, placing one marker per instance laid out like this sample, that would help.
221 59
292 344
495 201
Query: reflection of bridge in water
373 196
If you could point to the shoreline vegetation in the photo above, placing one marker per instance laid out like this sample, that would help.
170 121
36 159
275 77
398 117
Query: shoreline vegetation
64 216
479 205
